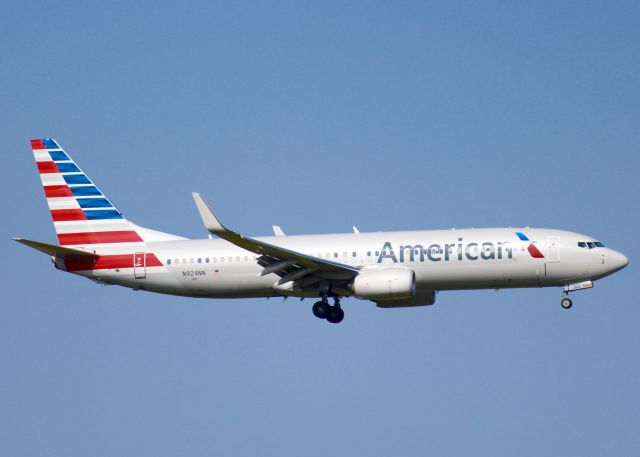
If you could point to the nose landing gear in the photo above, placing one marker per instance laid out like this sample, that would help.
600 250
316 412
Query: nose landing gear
566 303
323 310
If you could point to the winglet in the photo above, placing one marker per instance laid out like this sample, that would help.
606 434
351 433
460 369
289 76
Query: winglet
277 231
213 224
210 220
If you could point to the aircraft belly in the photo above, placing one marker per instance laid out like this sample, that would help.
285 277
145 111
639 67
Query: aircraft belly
227 283
157 279
478 276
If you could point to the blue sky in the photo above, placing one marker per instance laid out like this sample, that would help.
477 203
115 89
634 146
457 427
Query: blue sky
318 116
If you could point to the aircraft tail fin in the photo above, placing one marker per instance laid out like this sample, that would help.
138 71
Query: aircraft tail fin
82 215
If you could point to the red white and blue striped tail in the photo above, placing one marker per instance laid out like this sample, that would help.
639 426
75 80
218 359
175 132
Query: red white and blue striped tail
81 213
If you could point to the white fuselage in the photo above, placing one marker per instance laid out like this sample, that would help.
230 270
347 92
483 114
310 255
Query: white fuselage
392 269
441 259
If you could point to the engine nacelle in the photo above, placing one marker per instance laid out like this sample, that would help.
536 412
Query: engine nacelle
385 283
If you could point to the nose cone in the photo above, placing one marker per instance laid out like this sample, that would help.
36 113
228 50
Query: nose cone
616 261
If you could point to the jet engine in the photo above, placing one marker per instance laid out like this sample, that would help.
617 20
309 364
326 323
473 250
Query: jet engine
385 283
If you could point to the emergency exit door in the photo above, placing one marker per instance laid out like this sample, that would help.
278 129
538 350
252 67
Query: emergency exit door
140 265
554 249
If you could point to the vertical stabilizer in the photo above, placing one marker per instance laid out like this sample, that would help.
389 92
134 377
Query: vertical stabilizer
82 215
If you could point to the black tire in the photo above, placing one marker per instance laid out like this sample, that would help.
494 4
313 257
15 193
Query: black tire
321 309
566 303
335 315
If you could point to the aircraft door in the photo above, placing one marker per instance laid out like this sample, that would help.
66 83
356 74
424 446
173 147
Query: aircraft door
553 246
140 265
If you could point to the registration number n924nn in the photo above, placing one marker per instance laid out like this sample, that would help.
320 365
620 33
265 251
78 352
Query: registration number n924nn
192 273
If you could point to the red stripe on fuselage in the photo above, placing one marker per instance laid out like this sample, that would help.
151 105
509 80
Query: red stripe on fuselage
68 215
47 167
57 191
535 252
125 236
37 144
107 262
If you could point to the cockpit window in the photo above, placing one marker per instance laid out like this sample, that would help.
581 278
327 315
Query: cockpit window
590 244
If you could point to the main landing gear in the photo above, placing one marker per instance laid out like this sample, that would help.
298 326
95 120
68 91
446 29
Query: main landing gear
323 310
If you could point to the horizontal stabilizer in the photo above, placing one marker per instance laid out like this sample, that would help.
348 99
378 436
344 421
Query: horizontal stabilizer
52 249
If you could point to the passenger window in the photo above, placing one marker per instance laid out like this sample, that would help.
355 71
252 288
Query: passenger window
214 260
354 254
368 253
191 260
176 261
377 253
206 260
168 261
335 254
582 244
199 259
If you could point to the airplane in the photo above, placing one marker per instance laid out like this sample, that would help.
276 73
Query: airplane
392 269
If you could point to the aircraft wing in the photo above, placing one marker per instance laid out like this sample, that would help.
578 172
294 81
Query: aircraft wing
290 265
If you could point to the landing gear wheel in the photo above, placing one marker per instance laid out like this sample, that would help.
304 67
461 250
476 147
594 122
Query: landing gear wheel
335 315
566 303
321 309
